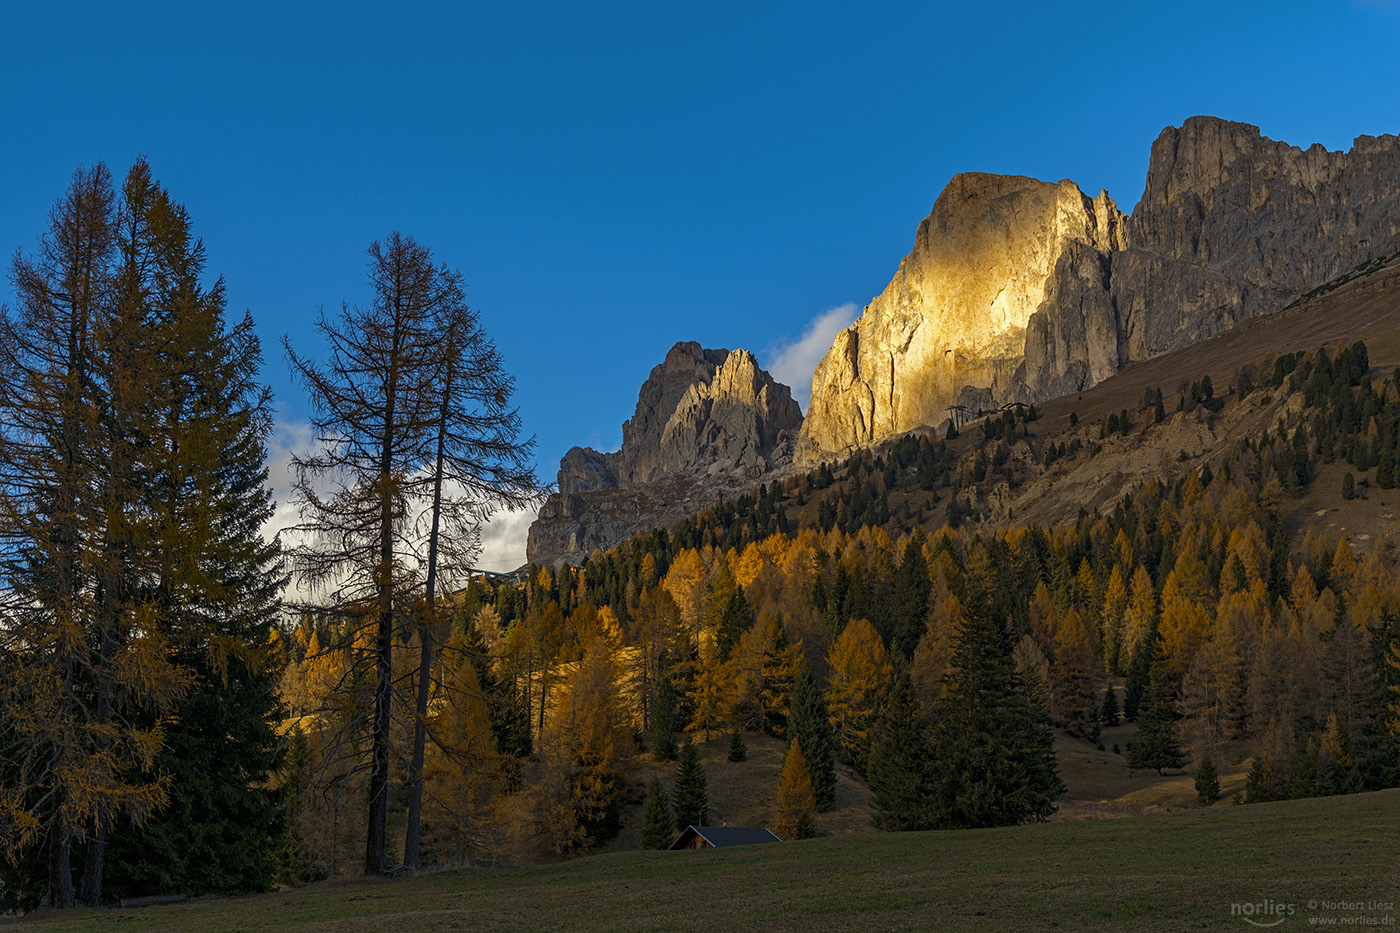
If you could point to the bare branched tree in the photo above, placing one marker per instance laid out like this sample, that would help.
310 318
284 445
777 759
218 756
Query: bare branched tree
418 445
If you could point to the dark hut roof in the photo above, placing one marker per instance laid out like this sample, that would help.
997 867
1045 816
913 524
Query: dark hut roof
720 836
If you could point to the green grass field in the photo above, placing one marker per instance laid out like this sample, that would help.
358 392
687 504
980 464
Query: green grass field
1178 871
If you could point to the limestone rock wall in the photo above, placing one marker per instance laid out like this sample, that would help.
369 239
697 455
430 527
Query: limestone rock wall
1014 290
707 423
956 312
1275 216
1019 290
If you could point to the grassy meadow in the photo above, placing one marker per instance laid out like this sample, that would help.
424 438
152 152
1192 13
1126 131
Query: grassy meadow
1168 872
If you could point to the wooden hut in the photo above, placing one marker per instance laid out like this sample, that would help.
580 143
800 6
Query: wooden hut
718 837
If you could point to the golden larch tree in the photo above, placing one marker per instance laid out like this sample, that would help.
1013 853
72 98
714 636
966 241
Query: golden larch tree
795 814
860 676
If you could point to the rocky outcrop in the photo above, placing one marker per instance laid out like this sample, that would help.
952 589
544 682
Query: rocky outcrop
1221 196
957 310
1019 290
708 423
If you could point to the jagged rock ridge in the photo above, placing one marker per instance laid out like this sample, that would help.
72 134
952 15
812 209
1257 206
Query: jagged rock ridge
707 422
1015 290
1019 290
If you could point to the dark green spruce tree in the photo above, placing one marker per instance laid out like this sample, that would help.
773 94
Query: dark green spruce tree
1377 747
809 724
656 833
736 619
993 748
691 797
738 751
505 707
903 779
909 600
1139 674
214 581
1207 783
662 729
296 863
1108 712
155 587
1156 747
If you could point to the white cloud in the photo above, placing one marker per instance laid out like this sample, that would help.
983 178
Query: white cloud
285 441
503 536
503 540
792 363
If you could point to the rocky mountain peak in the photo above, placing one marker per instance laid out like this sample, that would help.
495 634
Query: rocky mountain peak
1221 195
702 409
1019 290
1015 290
956 312
713 416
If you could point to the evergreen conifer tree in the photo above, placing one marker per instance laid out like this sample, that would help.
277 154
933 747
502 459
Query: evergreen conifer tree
909 601
1207 783
1336 765
295 863
1139 675
735 619
902 776
1156 746
1108 712
809 723
738 751
1258 785
1307 778
993 747
690 797
656 833
663 722
219 581
505 707
1377 750
156 568
780 661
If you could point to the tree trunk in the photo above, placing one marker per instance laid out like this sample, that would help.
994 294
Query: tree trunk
375 847
91 892
425 659
60 870
420 741
376 832
376 835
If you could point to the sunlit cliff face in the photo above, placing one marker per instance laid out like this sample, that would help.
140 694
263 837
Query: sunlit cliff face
1018 289
955 313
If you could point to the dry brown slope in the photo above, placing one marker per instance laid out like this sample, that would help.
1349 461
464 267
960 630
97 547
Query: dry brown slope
1367 308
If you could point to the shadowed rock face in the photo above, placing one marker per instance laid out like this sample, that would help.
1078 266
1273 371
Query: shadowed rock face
707 423
702 410
1022 290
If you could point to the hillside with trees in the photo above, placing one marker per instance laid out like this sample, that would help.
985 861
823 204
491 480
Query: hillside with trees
806 613
913 634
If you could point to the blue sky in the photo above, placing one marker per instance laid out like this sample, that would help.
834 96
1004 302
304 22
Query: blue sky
614 177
